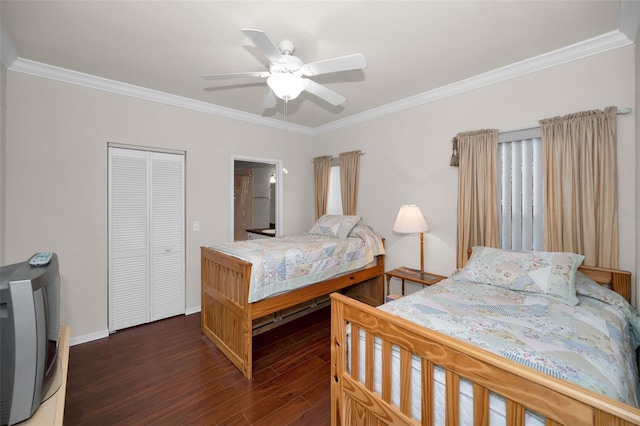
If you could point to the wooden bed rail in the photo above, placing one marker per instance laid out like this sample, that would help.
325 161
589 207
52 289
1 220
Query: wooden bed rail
356 403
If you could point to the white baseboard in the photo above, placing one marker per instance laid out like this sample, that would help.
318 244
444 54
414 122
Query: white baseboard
88 337
85 338
192 310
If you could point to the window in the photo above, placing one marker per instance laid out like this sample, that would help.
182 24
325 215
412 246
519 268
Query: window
520 214
334 202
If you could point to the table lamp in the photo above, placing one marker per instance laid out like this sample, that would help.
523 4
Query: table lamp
410 220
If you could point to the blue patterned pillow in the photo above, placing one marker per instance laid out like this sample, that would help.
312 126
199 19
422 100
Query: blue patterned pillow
546 273
336 226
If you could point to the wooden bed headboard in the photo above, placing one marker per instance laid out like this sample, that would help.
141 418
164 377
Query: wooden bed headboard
619 281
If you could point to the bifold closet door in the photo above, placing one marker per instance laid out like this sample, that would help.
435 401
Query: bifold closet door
167 236
146 237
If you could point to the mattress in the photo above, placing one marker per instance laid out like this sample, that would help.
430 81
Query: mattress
497 406
282 264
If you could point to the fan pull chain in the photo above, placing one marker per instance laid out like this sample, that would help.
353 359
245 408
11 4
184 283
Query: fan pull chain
286 103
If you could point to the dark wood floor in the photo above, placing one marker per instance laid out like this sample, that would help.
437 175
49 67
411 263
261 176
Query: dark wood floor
167 373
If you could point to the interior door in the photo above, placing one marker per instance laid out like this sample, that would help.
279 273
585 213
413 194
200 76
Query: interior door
242 203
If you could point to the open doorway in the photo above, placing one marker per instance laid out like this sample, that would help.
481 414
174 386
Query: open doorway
256 202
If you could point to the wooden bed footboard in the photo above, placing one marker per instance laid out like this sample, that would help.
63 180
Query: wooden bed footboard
227 317
355 402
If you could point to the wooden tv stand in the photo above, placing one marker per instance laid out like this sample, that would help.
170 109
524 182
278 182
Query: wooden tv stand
51 412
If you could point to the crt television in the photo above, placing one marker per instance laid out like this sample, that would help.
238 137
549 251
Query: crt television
29 332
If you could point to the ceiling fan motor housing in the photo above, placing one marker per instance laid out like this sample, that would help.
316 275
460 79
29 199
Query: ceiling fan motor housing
287 47
291 65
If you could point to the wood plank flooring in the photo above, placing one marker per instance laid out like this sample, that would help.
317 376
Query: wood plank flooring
167 373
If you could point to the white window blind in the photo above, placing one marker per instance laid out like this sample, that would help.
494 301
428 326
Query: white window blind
520 209
334 202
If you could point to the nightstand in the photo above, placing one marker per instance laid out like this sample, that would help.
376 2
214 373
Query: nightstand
403 273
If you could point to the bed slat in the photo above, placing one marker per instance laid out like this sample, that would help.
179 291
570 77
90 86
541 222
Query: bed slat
369 356
386 371
405 382
427 389
453 398
515 413
355 351
480 405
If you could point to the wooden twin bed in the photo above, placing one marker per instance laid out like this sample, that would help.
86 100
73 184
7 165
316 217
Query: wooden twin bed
355 402
228 319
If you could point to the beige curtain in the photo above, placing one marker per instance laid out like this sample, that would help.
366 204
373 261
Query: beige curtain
477 199
321 169
580 186
349 175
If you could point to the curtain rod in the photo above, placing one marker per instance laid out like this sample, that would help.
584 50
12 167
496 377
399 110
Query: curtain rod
337 158
621 111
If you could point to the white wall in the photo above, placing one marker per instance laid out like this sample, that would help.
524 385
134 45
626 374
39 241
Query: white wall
56 180
3 145
407 153
637 136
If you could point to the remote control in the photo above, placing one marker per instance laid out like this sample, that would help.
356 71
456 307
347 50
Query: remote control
41 259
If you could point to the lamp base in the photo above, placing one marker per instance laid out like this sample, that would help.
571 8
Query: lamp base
421 253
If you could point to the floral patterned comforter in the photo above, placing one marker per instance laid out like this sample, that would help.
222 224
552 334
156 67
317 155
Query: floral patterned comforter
591 344
282 264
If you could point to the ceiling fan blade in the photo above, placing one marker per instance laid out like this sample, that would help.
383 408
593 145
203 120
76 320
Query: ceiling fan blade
342 63
324 93
261 74
262 42
270 101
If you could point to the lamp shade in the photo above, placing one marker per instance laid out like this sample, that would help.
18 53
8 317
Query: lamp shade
410 220
286 86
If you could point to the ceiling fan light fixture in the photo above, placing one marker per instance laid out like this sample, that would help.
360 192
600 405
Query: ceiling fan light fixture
286 86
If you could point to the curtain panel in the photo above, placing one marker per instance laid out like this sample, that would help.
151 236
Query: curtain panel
349 176
477 199
580 185
321 169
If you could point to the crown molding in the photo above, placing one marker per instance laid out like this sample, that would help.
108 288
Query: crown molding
593 46
39 69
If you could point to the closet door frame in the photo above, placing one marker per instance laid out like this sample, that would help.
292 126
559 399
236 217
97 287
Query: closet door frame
148 316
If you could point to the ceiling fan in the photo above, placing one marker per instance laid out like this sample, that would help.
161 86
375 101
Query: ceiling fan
286 75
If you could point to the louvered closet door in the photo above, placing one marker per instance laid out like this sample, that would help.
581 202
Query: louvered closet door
146 237
167 235
128 238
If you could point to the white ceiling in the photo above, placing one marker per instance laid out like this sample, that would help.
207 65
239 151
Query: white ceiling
411 47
